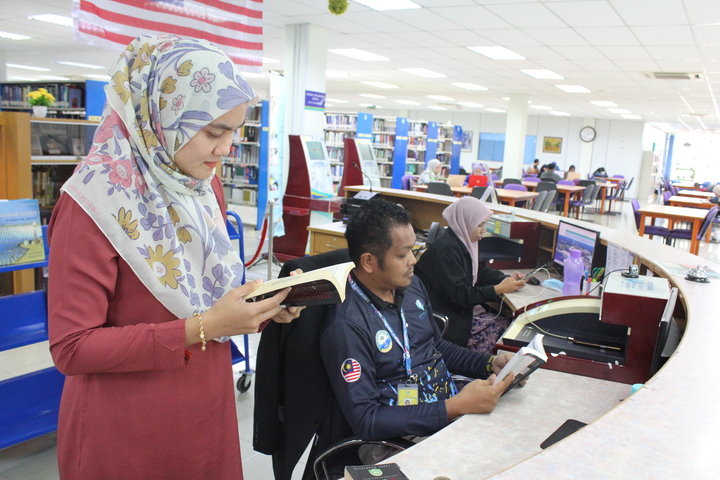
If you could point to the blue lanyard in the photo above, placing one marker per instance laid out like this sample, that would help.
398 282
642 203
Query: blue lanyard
406 346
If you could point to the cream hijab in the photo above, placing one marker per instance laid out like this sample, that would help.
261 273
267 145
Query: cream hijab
167 226
464 216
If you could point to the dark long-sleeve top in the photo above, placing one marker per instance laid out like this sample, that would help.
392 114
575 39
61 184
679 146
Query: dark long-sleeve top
365 369
446 270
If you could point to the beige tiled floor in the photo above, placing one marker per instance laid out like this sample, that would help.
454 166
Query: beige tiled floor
36 459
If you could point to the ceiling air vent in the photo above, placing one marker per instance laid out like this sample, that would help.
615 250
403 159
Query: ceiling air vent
674 75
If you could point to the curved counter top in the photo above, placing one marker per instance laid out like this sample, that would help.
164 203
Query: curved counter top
667 429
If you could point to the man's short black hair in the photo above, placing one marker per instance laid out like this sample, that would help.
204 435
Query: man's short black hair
368 231
552 166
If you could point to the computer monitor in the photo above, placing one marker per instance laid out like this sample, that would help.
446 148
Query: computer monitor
478 181
316 150
573 236
365 151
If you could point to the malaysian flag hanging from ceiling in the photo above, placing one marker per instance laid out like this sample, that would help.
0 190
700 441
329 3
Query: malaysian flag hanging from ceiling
235 26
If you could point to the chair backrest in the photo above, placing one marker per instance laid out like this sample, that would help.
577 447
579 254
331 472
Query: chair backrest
532 178
542 186
432 233
629 184
292 378
590 194
548 200
508 181
636 206
566 182
406 182
494 177
666 197
516 186
618 176
537 205
585 183
439 188
478 192
707 222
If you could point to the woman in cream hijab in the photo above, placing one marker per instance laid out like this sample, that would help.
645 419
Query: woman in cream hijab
458 282
143 276
430 173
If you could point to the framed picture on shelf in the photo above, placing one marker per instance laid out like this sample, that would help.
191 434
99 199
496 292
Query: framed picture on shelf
552 144
467 141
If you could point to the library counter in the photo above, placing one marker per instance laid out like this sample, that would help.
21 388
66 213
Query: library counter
667 429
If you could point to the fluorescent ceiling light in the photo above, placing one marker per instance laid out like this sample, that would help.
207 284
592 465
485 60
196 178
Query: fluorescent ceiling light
540 107
618 110
329 105
81 65
358 54
54 19
495 110
98 77
423 72
388 4
380 84
469 86
543 74
336 100
470 104
497 53
14 36
442 98
253 75
631 117
269 60
370 95
407 102
604 104
370 105
27 67
335 74
21 79
432 107
53 77
560 114
573 88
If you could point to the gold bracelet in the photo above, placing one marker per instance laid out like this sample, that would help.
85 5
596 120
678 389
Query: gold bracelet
489 365
202 331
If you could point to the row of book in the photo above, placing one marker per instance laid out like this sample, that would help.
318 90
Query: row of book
417 142
339 119
336 170
244 155
241 196
415 128
383 140
66 96
239 175
336 137
247 133
382 125
336 154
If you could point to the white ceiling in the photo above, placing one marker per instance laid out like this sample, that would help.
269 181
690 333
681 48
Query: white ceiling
603 45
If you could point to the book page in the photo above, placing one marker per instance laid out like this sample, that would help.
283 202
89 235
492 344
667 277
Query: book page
524 357
329 275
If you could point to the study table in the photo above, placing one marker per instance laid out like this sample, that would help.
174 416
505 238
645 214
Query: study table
673 214
568 190
667 429
503 194
694 193
693 202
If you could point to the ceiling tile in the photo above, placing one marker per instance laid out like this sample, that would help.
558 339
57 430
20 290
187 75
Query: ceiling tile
580 53
556 36
586 13
651 12
685 53
703 11
477 18
707 34
508 38
670 35
423 19
608 36
625 53
527 15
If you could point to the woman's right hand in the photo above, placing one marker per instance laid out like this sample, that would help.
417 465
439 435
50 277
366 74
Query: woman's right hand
509 284
232 315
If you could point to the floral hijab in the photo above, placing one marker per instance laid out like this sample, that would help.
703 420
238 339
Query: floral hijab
167 226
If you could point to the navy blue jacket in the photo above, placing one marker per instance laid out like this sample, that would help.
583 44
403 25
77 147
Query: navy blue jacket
354 335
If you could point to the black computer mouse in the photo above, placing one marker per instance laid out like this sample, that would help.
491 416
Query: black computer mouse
533 281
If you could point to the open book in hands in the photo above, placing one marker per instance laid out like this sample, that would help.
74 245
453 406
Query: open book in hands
524 362
323 286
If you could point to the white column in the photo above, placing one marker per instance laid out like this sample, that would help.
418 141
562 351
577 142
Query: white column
586 151
305 63
515 131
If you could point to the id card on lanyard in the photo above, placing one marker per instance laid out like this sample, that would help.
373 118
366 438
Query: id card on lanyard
407 391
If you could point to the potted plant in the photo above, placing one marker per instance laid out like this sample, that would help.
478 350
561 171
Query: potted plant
40 99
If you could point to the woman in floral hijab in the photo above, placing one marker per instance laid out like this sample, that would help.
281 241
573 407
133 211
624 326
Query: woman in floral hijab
143 275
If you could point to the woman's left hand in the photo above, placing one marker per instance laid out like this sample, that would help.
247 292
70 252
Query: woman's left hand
517 276
289 314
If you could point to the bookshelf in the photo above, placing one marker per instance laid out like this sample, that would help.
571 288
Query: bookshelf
338 127
244 171
76 100
449 146
383 142
417 147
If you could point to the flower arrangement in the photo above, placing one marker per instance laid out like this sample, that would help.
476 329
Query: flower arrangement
40 97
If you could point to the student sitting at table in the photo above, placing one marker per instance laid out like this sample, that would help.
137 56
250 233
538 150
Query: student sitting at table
550 174
387 364
477 169
430 174
458 282
600 172
534 168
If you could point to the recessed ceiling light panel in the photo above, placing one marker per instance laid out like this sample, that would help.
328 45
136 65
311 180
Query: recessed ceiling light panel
407 102
470 104
336 100
371 95
14 36
433 107
497 53
495 110
602 103
619 110
543 74
469 86
573 88
423 72
80 65
380 84
540 107
54 19
559 114
358 54
27 67
442 98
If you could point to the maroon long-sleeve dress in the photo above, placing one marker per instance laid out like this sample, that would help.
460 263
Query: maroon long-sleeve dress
137 404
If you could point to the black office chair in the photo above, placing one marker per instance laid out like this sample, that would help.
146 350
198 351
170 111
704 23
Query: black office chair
296 402
432 233
508 181
439 188
478 192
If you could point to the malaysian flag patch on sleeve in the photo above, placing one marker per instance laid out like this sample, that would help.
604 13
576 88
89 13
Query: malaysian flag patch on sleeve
350 370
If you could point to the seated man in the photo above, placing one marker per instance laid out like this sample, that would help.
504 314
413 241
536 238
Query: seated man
392 377
550 174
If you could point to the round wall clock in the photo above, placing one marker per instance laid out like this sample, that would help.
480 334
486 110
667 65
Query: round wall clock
587 134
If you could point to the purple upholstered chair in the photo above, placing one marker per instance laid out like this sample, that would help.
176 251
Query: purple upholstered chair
407 182
519 188
686 233
533 178
649 229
